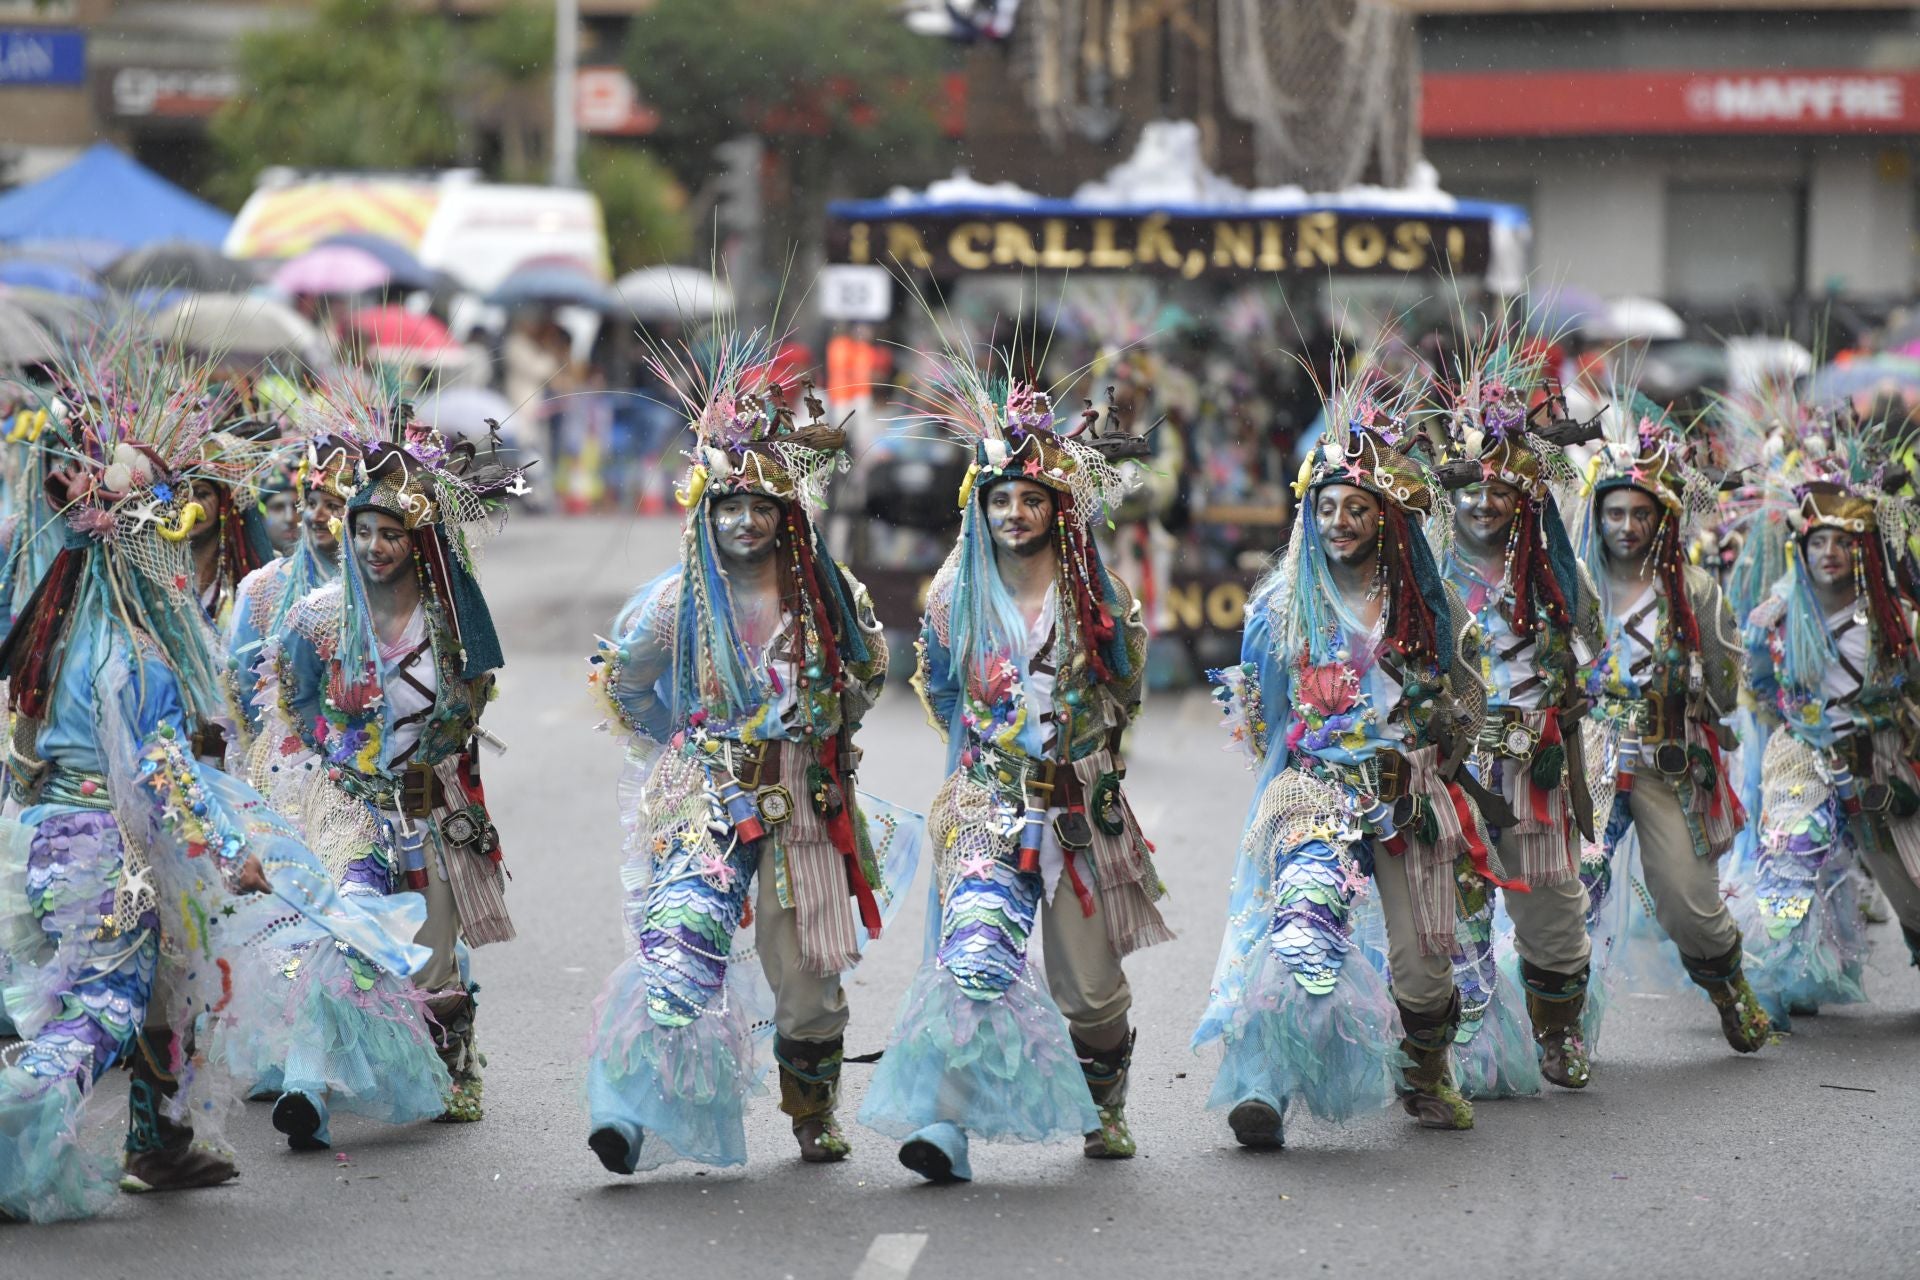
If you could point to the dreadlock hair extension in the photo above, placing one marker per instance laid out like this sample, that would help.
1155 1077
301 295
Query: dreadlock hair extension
1536 587
1414 628
1670 563
1085 575
1884 605
807 598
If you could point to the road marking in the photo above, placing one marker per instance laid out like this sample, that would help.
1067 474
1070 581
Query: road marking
891 1257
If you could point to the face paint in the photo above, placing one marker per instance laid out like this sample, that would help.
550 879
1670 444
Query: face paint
1020 517
1348 522
1628 520
283 521
382 545
1829 555
1483 515
746 528
324 511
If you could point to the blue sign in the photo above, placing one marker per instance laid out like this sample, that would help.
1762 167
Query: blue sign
35 56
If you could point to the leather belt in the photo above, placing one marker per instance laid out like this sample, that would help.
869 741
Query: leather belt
420 791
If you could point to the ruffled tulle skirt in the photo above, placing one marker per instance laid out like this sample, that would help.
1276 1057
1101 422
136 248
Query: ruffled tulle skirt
1817 961
1494 1055
48 1170
1002 1069
1335 1054
308 1014
682 1088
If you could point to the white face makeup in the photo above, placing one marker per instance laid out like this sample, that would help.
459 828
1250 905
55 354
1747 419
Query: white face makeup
1348 522
1020 516
1628 520
746 527
1483 515
1829 555
283 520
382 545
322 510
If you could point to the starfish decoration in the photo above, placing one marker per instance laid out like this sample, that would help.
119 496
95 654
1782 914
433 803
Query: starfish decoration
1637 475
976 866
1355 470
1032 466
1352 882
137 883
717 869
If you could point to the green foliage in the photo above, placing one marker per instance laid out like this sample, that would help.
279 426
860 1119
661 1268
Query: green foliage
645 208
377 84
839 87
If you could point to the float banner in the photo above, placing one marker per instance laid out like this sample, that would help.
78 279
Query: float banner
1362 242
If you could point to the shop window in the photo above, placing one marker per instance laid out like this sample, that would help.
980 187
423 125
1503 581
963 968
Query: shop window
1734 241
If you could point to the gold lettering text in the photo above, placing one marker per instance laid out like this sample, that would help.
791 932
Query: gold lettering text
1105 252
1364 245
1272 254
1410 241
1233 245
1013 243
859 243
1319 241
963 249
1155 244
905 246
1054 252
1184 605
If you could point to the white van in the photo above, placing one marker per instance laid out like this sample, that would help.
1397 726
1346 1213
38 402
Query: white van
477 232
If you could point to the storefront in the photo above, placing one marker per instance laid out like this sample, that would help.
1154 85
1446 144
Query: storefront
1717 158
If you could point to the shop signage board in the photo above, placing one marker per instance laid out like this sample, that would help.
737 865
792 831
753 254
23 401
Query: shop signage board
1533 104
37 56
949 242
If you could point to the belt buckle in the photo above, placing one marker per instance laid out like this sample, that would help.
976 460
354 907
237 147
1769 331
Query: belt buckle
1073 830
1393 776
1670 758
744 756
775 804
1518 740
416 791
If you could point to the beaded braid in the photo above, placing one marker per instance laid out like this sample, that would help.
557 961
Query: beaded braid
1412 629
1885 608
1081 568
1671 566
1531 576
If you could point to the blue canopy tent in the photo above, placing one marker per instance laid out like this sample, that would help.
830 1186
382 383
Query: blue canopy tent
100 207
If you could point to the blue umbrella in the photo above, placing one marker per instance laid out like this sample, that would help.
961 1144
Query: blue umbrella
1898 375
408 272
49 277
554 285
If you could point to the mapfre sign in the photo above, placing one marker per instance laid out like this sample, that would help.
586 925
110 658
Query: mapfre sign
1537 104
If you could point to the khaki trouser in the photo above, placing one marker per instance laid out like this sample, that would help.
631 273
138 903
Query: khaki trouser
806 1005
1685 886
1083 973
1421 983
442 929
1550 924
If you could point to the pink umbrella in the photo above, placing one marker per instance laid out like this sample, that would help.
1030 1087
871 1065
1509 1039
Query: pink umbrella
400 328
332 269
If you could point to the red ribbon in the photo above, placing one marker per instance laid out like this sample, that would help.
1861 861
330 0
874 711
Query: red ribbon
840 831
1080 889
1476 847
1549 737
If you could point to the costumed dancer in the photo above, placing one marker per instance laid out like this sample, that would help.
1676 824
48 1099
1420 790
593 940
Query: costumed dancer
229 539
116 910
1831 662
321 485
1665 677
1357 698
1514 568
372 716
742 675
1031 666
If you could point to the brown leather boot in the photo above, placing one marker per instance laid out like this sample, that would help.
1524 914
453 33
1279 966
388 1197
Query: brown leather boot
1431 1096
809 1091
160 1152
1106 1071
1555 1002
1742 1021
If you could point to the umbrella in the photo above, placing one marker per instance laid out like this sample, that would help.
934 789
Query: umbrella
66 317
48 277
405 271
1864 375
555 281
179 264
401 329
1752 361
23 339
247 326
1647 318
332 269
670 293
464 412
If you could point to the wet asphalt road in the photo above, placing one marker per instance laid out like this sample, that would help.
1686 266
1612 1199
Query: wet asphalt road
1681 1159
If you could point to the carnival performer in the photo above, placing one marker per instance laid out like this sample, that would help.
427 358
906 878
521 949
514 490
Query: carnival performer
1031 666
321 485
1831 663
371 715
117 913
1665 676
1357 698
742 676
230 539
1513 566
